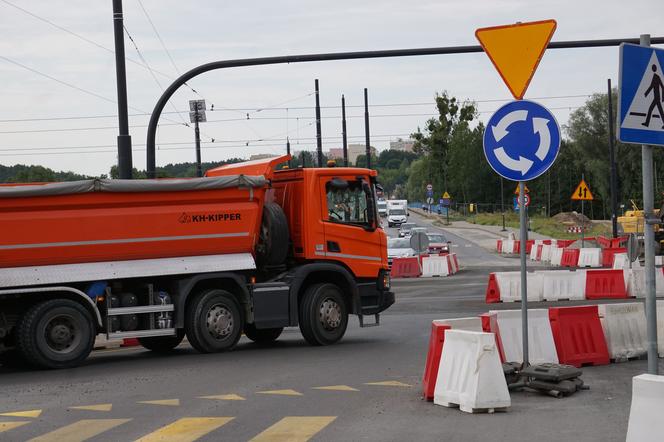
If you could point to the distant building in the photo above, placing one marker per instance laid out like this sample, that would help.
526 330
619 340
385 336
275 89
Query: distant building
336 152
402 145
354 151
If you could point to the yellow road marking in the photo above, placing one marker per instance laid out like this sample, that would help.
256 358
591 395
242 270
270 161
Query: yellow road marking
282 392
28 413
99 407
6 426
167 402
389 384
336 388
224 397
294 429
186 429
80 431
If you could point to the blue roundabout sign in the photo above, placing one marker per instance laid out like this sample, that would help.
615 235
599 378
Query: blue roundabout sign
521 140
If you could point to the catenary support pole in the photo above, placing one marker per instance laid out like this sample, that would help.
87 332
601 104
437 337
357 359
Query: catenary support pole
366 129
523 238
649 240
288 151
319 139
197 134
124 139
344 134
612 159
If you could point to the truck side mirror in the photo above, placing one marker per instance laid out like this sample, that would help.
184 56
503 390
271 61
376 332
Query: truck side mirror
371 206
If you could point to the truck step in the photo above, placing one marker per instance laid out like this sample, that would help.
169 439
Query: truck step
140 309
376 322
141 333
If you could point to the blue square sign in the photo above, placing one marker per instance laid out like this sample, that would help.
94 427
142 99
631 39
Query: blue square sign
640 105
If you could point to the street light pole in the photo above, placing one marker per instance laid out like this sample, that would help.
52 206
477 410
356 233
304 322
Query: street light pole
366 128
319 139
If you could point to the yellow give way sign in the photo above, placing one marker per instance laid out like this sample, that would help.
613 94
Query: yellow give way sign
582 192
516 50
446 195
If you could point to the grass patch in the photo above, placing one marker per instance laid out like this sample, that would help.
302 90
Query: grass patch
541 225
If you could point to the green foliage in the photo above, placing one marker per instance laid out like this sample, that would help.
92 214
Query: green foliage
35 174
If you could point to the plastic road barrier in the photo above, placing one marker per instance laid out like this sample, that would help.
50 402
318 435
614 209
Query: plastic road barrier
470 375
660 328
509 284
546 253
570 257
538 254
563 284
533 249
529 246
499 245
621 261
556 256
492 290
605 284
453 263
405 267
436 342
635 282
508 246
609 253
624 328
435 266
590 257
562 243
578 335
507 326
645 415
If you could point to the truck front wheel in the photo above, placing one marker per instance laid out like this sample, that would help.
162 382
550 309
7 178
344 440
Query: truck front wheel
162 344
323 314
213 321
59 333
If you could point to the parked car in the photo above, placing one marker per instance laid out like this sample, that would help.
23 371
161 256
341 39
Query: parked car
438 243
405 229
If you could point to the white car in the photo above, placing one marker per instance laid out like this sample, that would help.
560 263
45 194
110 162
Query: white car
405 229
398 248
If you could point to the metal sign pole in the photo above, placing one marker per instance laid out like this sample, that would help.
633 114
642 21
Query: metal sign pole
649 240
523 237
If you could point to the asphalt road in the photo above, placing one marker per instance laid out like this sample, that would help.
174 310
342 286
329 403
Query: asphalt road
368 387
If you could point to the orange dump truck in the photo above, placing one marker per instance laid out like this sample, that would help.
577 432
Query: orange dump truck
247 248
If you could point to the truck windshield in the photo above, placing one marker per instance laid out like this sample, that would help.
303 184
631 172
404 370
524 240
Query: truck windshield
347 205
397 212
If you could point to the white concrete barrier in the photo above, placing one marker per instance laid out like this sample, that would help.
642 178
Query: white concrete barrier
470 374
556 256
624 328
435 266
472 323
507 325
509 284
508 246
660 328
563 284
590 257
635 282
645 414
546 253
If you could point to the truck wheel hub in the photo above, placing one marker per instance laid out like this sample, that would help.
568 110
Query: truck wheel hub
219 322
330 314
60 334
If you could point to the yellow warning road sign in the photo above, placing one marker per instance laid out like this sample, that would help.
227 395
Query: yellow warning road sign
446 195
516 191
516 50
582 192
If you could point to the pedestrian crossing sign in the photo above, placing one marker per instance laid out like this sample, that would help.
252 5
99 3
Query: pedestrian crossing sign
640 103
582 192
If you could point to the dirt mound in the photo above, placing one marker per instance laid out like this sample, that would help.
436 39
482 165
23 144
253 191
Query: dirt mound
573 219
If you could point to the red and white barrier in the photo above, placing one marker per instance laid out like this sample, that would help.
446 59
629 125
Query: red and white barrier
506 324
435 266
590 257
509 286
624 328
556 256
557 285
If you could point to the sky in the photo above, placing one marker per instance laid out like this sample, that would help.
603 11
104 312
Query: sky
58 88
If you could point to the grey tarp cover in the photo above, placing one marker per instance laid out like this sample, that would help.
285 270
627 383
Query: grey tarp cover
160 185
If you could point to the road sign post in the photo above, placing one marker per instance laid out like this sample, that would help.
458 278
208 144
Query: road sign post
641 87
522 138
196 115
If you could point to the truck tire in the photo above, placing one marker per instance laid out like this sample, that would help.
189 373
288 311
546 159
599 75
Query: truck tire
263 335
213 321
272 247
162 344
59 333
323 314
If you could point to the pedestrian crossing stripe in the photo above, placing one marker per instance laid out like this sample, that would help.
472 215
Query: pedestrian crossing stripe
336 388
80 431
166 402
28 413
187 429
294 429
224 397
6 426
389 384
99 407
287 392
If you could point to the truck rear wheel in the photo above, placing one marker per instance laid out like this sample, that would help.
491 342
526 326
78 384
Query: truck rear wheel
262 335
162 344
213 321
59 333
323 314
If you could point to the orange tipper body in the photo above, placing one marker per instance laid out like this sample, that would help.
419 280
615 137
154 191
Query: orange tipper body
160 259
